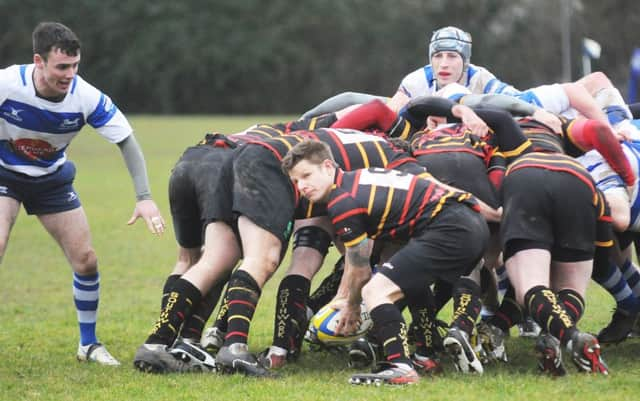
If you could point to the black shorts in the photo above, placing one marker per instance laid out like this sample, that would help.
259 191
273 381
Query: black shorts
262 192
51 193
200 192
464 171
550 210
450 246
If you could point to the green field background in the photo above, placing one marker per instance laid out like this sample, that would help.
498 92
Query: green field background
38 331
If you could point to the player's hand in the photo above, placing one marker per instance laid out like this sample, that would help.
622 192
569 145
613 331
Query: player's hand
149 212
471 120
548 119
349 319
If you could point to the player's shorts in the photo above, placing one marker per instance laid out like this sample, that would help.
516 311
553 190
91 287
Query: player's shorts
549 210
200 190
463 171
52 193
450 246
262 192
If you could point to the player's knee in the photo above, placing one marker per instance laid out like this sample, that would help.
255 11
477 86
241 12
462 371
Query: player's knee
85 262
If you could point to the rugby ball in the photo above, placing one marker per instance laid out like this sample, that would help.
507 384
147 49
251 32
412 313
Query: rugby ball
323 325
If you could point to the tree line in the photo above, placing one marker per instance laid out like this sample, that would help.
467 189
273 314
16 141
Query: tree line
283 56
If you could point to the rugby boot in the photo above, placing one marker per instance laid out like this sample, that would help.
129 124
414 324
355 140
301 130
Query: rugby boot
585 354
387 373
457 345
549 355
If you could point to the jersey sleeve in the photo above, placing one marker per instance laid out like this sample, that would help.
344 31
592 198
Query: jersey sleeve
347 218
103 114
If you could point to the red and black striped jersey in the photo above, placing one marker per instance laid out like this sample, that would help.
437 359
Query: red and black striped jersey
545 139
351 149
386 204
260 132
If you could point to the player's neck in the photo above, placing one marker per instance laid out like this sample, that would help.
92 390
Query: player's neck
41 88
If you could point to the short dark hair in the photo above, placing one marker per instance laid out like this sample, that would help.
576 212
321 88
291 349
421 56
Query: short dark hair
53 35
313 151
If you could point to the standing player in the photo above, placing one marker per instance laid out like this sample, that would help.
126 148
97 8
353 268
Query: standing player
43 106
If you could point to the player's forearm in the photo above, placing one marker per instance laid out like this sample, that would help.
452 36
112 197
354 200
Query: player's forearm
134 159
504 102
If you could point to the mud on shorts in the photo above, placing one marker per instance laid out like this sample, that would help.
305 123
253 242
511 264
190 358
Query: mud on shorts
549 210
262 192
200 190
447 248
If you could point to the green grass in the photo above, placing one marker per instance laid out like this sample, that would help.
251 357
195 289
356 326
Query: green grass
38 335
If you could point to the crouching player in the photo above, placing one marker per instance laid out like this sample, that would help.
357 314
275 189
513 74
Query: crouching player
381 204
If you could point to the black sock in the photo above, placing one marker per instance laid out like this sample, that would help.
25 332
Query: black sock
327 288
509 313
423 318
466 305
223 312
391 331
442 291
543 306
243 295
573 303
195 324
291 312
166 289
180 302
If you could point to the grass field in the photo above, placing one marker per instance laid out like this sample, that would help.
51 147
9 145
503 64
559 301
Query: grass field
38 336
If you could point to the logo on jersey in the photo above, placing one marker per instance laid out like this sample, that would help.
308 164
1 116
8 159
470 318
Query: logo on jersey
4 190
14 114
34 149
71 197
343 231
68 123
388 266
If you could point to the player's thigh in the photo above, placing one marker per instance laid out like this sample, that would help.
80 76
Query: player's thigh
9 209
71 230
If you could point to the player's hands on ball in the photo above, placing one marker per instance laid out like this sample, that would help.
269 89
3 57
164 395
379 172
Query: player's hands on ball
349 317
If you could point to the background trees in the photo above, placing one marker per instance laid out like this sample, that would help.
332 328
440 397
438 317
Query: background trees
282 56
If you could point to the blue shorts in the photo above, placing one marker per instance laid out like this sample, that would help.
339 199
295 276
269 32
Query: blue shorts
52 193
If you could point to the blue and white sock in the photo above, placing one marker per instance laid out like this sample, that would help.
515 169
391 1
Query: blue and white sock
614 282
632 276
503 280
86 293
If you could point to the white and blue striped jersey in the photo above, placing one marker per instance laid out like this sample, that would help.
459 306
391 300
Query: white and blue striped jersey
608 180
35 132
478 80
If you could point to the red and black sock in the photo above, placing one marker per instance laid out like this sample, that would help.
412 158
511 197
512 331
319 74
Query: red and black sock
291 313
509 313
180 302
242 295
545 308
573 303
466 305
391 331
195 324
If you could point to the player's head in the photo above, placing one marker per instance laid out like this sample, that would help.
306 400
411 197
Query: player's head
451 47
56 55
451 39
48 36
311 166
